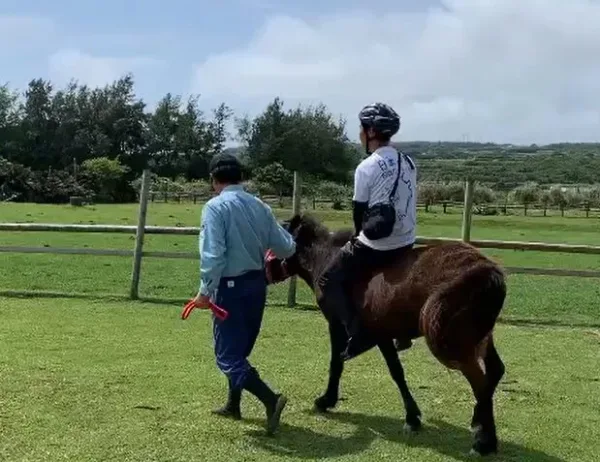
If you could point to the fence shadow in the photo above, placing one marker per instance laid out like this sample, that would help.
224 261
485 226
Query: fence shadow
438 436
27 294
306 307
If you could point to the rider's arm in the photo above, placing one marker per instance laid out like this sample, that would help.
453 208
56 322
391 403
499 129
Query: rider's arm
358 211
360 201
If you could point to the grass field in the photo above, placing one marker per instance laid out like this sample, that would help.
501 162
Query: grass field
93 377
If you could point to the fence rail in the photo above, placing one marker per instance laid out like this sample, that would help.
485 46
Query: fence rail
193 231
584 206
141 230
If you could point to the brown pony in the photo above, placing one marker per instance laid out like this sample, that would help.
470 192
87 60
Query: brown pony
451 294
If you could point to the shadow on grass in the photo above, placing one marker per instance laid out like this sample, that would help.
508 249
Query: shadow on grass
26 294
441 437
308 307
528 322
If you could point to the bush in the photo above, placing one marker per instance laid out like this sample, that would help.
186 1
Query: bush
17 182
527 194
56 186
274 178
429 193
453 191
337 193
103 176
483 195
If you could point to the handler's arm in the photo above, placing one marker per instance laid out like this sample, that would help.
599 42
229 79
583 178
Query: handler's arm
360 201
280 241
212 250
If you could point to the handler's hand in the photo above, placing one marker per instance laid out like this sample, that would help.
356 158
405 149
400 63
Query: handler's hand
202 300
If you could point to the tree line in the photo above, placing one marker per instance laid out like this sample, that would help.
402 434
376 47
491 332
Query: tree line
95 143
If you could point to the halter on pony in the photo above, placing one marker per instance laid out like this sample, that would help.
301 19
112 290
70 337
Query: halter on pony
270 257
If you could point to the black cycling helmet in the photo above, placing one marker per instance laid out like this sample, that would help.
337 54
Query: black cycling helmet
381 118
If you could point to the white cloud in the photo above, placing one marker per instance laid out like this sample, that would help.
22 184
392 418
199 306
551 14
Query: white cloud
69 64
501 70
18 32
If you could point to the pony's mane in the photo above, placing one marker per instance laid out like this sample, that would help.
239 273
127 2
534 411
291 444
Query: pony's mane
320 231
341 236
320 245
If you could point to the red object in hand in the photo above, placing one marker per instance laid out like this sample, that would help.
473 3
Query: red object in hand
219 312
269 257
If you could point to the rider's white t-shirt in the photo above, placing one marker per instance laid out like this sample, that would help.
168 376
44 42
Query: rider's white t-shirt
373 182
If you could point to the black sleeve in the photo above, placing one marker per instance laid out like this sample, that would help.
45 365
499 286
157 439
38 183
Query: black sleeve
358 210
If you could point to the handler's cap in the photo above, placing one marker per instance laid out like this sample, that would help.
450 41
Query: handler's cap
225 163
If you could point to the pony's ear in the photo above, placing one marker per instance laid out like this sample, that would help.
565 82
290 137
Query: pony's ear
293 223
285 224
304 234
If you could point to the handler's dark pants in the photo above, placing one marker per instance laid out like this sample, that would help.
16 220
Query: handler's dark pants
244 297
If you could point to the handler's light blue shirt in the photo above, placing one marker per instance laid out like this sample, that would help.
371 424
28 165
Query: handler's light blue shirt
236 230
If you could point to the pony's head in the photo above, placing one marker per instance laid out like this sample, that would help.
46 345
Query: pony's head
313 242
306 231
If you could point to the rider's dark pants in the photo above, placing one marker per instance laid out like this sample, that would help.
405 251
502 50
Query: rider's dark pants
335 284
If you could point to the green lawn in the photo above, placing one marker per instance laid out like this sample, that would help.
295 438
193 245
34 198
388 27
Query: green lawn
99 380
543 298
91 377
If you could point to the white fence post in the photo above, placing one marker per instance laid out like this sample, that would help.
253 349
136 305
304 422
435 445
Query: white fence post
296 207
467 211
139 236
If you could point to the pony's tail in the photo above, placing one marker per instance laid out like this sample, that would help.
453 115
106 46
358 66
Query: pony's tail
458 317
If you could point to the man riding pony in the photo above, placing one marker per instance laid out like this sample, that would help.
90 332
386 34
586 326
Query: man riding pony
384 215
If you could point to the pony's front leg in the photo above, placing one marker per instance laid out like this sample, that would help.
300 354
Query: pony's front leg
413 413
338 339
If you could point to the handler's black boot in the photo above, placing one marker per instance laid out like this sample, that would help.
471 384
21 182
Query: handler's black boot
274 403
232 407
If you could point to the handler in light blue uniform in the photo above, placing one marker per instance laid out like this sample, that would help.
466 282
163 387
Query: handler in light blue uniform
237 229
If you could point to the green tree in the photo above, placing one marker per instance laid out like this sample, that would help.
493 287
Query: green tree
337 193
429 193
274 179
483 195
558 198
102 176
307 140
526 195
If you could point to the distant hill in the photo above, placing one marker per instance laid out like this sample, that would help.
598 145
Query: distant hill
502 166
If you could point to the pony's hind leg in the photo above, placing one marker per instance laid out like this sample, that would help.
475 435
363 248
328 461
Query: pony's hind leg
484 385
413 413
338 338
494 371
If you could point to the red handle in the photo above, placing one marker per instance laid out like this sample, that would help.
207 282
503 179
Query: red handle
219 312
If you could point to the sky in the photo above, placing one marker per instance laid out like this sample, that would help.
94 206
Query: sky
507 71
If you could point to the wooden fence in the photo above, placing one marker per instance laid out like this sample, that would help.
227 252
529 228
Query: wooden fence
584 207
137 253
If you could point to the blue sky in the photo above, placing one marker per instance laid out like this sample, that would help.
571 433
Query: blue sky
500 70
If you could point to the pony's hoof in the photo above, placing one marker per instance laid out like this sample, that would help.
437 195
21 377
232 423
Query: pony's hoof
324 403
413 426
475 429
484 448
409 429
